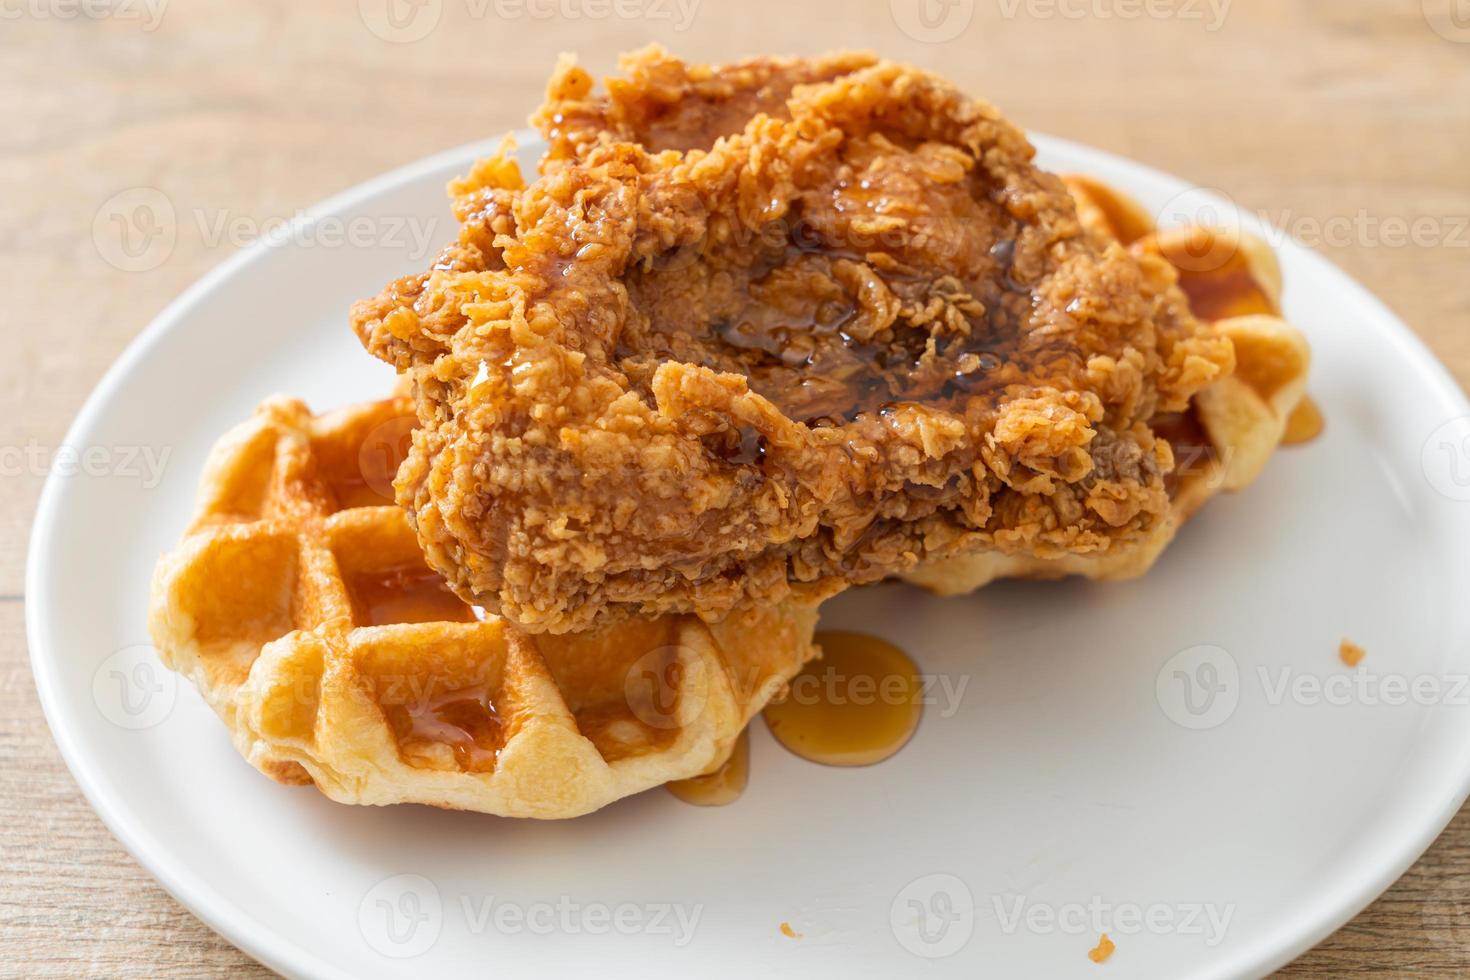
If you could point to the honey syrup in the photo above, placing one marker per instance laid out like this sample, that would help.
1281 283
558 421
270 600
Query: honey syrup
724 785
856 706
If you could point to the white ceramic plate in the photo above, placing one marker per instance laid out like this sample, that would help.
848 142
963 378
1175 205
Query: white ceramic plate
1181 762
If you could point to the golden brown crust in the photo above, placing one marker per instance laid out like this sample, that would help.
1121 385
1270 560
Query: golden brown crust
775 329
1232 427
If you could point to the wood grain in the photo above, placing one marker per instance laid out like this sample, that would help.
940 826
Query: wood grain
1322 115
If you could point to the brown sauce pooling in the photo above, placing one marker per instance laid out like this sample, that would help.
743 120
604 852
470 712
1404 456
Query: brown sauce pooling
857 705
465 720
1231 290
405 595
362 476
721 787
808 334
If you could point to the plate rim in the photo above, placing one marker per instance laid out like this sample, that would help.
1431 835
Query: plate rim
1273 949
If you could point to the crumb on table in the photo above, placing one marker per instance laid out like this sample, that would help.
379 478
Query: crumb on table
1103 949
1351 653
789 932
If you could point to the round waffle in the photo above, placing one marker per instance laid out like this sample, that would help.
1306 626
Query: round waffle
1232 281
300 604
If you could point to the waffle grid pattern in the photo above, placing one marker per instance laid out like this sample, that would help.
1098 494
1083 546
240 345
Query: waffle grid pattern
301 606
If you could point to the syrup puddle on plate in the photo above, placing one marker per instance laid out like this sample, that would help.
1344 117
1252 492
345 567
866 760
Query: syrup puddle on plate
724 785
857 705
1305 424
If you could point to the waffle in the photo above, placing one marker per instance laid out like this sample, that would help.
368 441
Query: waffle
1233 281
301 606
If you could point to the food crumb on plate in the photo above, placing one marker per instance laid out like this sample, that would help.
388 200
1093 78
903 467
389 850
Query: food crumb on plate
1103 949
1351 653
789 932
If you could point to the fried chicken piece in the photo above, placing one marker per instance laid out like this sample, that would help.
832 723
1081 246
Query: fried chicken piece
767 331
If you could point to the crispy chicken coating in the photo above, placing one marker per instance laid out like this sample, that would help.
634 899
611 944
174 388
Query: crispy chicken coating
770 330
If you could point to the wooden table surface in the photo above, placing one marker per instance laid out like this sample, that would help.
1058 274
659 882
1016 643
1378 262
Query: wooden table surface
1340 119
